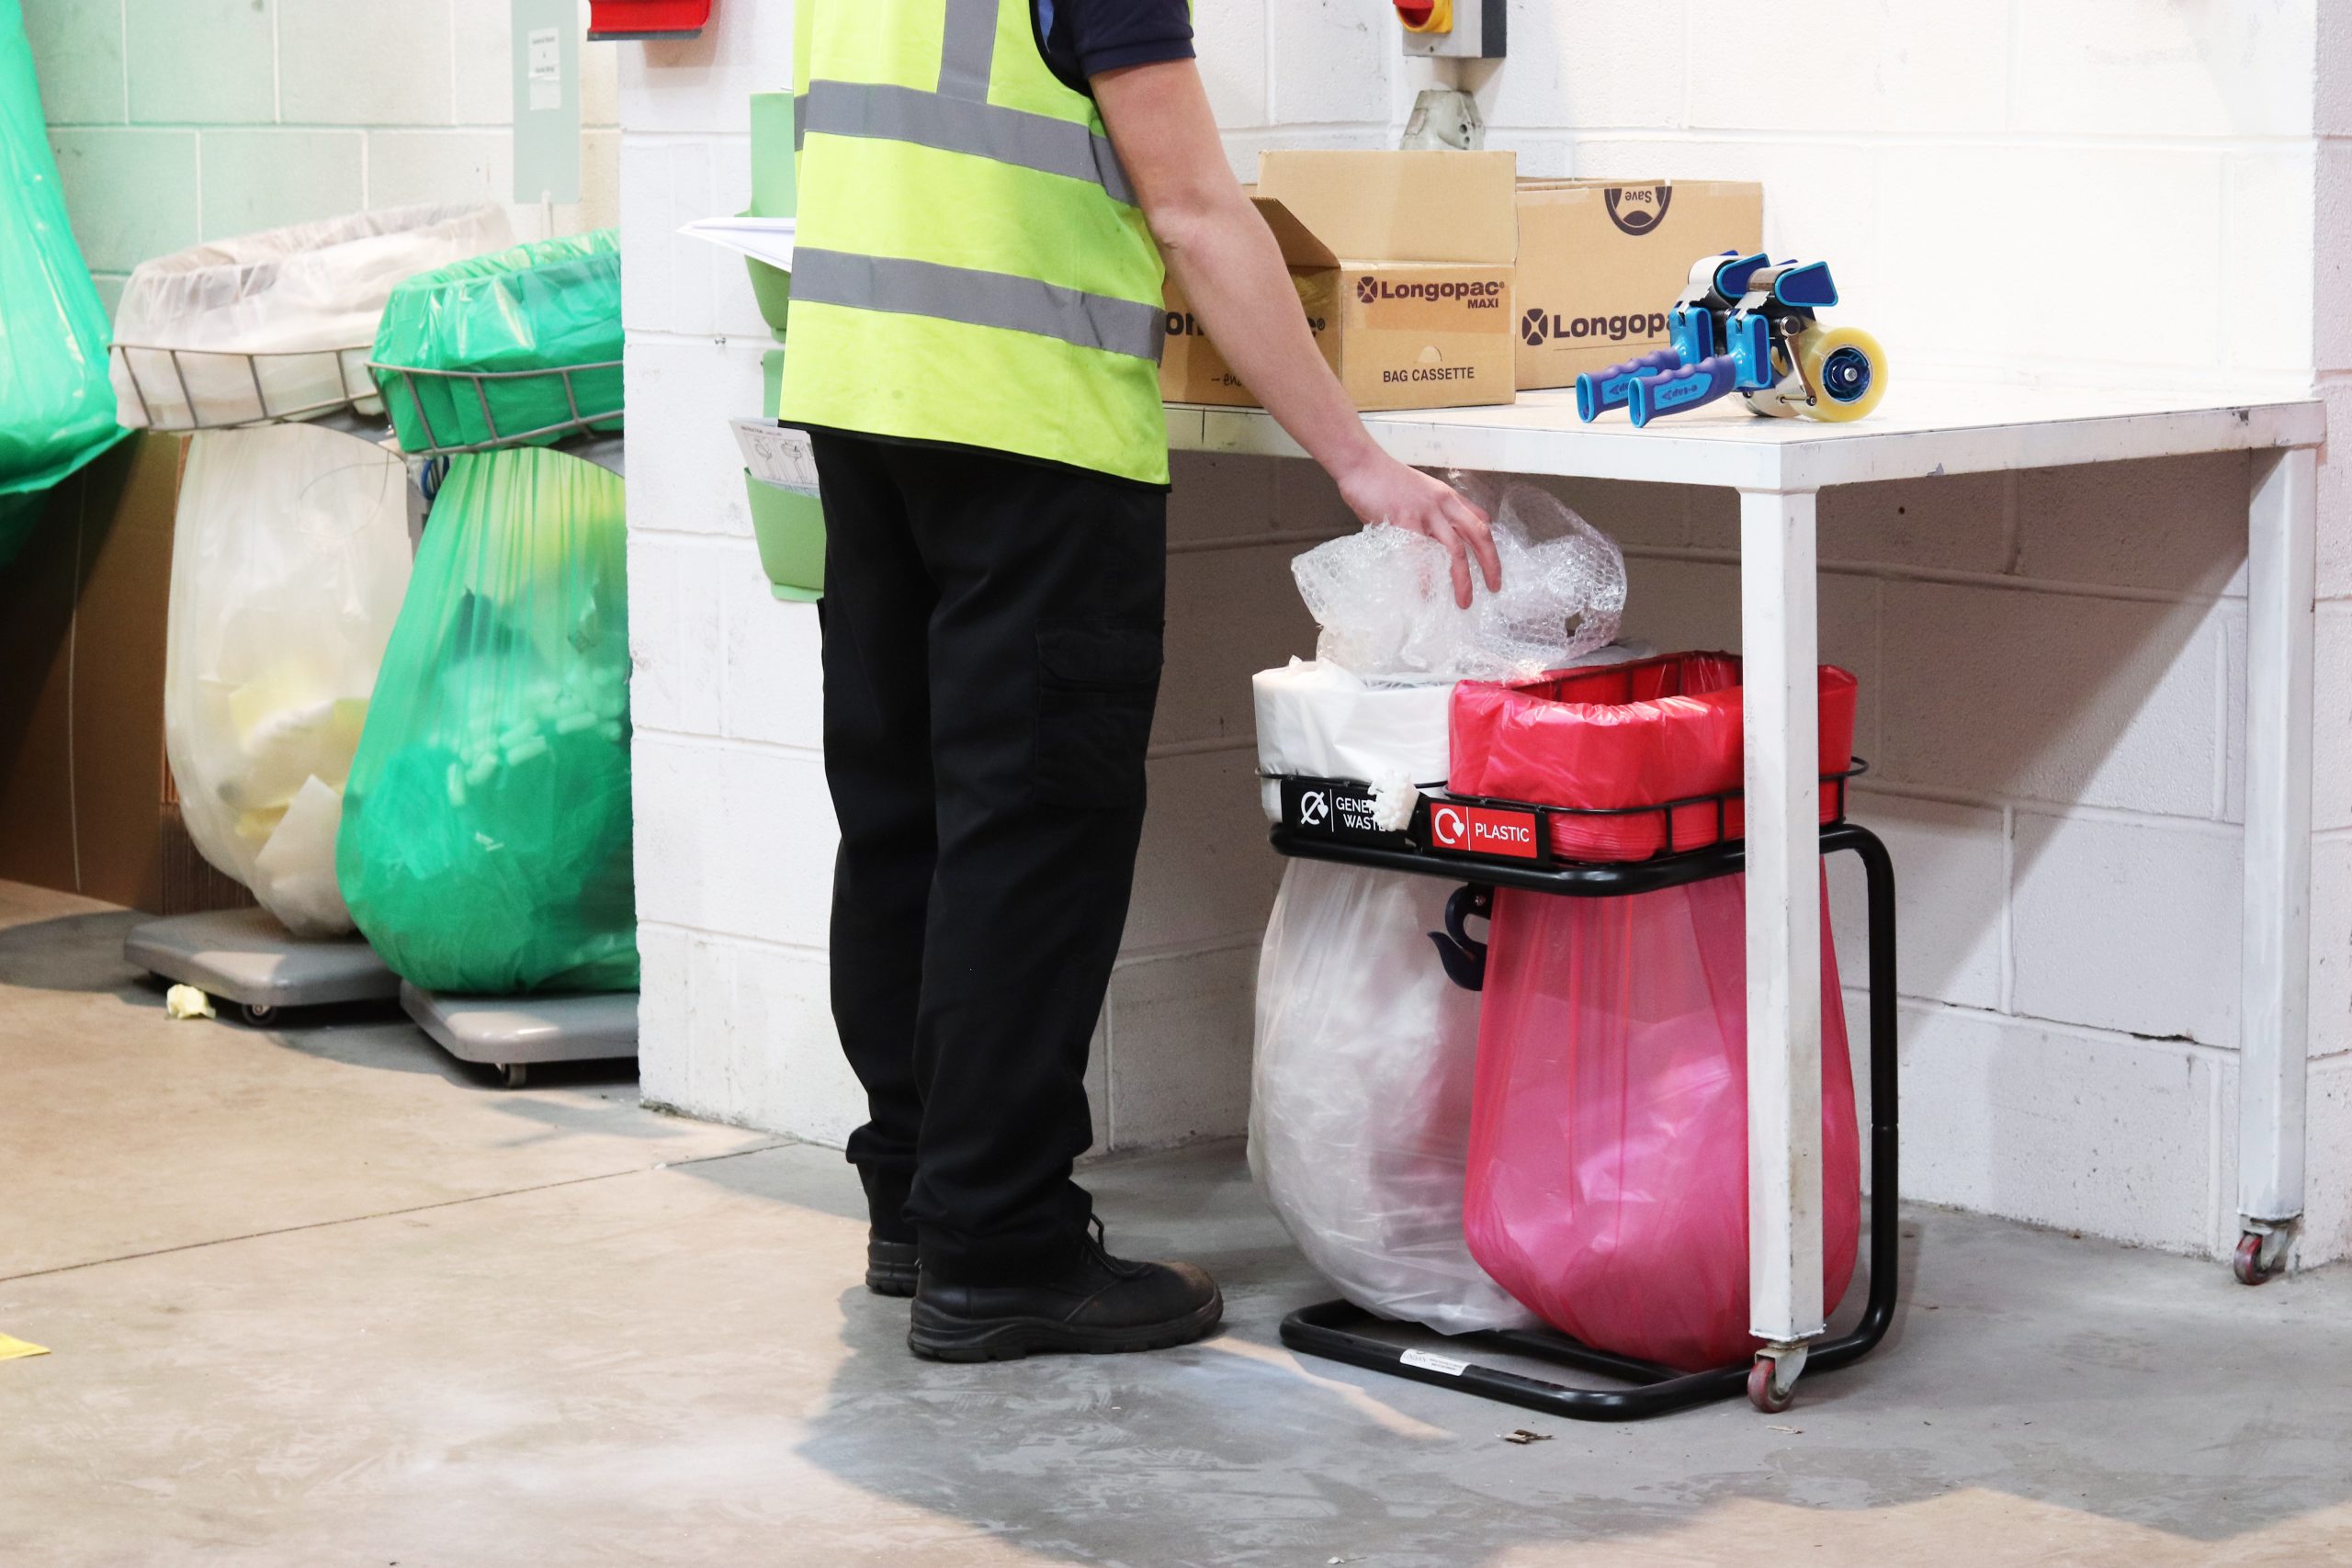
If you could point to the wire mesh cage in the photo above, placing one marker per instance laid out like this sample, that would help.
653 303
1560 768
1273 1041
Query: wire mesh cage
196 389
467 390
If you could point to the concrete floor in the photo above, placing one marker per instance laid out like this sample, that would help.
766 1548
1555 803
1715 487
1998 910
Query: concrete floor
324 1298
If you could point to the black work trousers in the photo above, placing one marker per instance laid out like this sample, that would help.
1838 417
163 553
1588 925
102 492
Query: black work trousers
991 651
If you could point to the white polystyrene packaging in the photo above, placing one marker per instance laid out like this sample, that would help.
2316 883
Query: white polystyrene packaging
1384 597
278 322
1360 1095
1320 720
290 559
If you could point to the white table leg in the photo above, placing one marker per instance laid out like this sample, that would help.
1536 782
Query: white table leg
2273 1056
1780 637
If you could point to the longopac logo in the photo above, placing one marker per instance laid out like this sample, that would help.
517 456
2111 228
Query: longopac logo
1474 293
1540 326
1637 209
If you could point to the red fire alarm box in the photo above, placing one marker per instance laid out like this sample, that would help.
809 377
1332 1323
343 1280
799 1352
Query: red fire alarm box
646 18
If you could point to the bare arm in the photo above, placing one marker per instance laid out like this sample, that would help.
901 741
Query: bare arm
1226 257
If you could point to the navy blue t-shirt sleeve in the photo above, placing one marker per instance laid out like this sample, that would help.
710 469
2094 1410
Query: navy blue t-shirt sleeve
1086 38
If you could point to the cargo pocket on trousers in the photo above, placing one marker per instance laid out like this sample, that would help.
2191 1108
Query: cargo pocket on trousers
1097 686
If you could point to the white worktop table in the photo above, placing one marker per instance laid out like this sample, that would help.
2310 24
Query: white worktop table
1779 466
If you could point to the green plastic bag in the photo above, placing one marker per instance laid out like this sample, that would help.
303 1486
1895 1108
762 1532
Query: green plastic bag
56 406
485 843
529 307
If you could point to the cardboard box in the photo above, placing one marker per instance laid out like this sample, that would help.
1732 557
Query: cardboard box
1600 262
1403 263
86 802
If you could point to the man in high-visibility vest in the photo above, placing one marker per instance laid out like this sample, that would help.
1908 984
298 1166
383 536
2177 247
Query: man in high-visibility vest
987 191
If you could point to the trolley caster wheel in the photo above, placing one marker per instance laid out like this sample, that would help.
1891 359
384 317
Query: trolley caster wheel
1762 1393
259 1015
2251 1266
511 1074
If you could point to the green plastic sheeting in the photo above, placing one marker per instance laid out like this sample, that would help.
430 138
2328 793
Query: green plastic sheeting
56 407
485 843
536 306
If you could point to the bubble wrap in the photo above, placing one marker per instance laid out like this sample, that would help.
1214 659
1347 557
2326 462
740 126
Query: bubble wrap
1384 597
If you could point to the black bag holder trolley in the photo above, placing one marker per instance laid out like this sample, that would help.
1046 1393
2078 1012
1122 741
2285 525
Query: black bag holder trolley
1333 819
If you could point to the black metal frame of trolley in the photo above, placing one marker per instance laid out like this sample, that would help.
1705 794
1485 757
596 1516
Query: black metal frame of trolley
1331 820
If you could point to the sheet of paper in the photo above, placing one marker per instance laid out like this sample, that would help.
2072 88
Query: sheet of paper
777 456
545 66
770 240
15 1350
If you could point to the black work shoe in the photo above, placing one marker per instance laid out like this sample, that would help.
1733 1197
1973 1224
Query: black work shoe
1098 1305
890 1266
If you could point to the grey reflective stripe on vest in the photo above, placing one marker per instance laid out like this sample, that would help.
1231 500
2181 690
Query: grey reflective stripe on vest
961 125
902 287
799 119
967 49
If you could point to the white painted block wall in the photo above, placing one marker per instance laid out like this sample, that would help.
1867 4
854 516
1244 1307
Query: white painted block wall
2053 664
180 120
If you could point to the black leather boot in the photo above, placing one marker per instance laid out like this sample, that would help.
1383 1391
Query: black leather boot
1097 1306
890 1266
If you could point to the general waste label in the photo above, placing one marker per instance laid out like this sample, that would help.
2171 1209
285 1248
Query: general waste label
1485 830
1340 807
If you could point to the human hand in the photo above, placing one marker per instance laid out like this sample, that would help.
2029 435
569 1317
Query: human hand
1379 489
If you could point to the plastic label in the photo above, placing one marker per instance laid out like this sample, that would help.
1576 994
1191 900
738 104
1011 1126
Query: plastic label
1342 808
1430 1362
1483 831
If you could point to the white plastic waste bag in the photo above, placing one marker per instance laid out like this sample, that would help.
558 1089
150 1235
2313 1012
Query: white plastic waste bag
290 557
279 323
1360 1095
1318 719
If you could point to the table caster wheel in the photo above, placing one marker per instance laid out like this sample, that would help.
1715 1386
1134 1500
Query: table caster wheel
511 1074
2249 1265
1761 1392
260 1015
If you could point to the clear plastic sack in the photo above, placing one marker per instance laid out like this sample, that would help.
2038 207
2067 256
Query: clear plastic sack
1384 597
289 558
1360 1101
486 843
280 324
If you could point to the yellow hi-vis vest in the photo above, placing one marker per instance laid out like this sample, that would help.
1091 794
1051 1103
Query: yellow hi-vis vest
971 265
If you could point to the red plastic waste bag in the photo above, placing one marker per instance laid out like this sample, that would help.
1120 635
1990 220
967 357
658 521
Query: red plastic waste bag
1627 735
1608 1175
